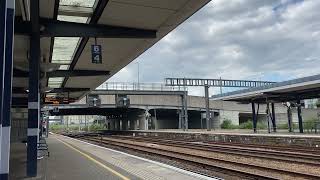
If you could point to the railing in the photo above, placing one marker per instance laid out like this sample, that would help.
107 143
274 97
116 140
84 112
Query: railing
215 82
308 127
139 87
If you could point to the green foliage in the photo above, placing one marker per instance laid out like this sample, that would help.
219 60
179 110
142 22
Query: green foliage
246 125
249 125
96 127
310 124
286 126
282 126
56 127
227 124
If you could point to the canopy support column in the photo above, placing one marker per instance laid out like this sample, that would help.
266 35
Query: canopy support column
299 116
33 96
254 117
289 113
273 118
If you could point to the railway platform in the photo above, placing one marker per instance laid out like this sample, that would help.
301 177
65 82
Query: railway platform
77 160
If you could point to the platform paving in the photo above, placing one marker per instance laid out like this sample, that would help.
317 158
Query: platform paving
71 159
64 163
139 168
67 163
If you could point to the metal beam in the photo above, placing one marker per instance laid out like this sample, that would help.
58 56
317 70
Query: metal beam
55 28
20 73
74 73
63 90
62 73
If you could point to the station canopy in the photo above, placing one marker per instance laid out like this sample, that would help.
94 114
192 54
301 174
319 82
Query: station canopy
68 28
286 91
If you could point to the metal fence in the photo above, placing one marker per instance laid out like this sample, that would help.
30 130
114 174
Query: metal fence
139 87
308 127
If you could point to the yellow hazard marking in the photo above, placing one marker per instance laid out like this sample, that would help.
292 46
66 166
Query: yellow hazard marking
95 161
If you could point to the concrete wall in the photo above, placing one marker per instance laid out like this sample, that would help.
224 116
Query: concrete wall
227 110
193 102
19 124
229 115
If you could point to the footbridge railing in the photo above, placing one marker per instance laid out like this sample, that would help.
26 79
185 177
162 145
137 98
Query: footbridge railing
139 87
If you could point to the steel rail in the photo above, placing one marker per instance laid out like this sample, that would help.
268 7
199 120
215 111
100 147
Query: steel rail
214 162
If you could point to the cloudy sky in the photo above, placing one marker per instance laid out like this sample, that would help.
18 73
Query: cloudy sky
271 40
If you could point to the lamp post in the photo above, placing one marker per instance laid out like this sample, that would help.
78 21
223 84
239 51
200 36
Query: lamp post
138 75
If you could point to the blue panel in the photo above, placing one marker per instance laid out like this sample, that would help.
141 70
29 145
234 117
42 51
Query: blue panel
8 68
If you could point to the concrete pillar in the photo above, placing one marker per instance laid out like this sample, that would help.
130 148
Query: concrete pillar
155 120
143 121
180 126
113 124
215 121
118 122
206 90
124 124
131 126
186 120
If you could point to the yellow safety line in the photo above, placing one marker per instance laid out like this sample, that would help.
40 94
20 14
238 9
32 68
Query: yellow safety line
95 161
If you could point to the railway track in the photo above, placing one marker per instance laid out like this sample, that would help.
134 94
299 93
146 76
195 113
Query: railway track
279 154
200 156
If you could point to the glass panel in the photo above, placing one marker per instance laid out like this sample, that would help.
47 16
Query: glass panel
51 94
63 48
77 19
64 67
56 85
77 3
56 79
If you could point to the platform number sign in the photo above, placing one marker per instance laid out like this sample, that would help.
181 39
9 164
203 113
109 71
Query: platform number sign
96 54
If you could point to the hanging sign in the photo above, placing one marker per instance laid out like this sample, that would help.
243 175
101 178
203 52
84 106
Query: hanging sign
96 54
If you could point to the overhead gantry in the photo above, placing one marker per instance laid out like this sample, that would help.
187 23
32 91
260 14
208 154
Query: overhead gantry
206 83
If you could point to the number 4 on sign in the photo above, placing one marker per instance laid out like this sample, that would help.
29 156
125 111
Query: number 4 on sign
96 54
97 58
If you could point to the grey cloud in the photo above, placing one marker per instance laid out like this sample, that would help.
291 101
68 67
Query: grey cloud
239 39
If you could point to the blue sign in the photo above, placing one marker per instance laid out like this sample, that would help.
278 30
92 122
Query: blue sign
96 54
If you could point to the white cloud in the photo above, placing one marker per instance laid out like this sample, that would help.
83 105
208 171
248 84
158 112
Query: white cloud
238 39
